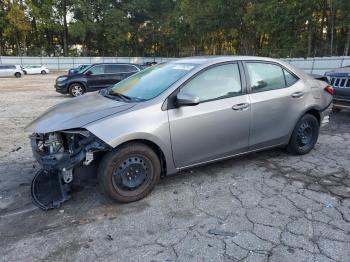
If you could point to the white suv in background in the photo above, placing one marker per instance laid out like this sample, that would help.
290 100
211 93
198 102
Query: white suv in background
35 69
10 70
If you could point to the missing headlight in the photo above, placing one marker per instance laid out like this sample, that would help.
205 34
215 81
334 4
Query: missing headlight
58 153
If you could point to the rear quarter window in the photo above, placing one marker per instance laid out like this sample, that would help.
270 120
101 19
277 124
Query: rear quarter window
290 78
128 68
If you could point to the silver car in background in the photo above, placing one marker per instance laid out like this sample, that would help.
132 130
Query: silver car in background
10 70
179 115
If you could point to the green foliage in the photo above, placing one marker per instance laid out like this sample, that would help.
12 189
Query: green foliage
277 28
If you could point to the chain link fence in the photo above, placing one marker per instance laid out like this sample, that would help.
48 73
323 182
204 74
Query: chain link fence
315 65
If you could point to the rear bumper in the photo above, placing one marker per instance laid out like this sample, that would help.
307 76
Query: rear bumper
325 114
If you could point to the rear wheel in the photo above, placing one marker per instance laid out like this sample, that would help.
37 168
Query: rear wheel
17 74
43 72
129 173
304 136
76 89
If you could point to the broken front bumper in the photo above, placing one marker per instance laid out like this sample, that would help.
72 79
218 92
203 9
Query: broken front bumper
59 153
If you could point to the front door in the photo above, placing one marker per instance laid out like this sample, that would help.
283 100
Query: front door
277 100
96 79
219 125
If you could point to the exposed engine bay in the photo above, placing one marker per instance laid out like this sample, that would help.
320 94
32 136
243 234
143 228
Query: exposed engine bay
59 153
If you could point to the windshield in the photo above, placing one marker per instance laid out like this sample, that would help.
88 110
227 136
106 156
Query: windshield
151 81
83 68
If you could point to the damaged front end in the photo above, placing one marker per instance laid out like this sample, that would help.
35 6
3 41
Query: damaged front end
59 153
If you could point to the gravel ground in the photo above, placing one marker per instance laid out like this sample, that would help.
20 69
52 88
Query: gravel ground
267 206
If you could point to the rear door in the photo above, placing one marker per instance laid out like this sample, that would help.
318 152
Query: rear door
118 72
114 74
36 69
277 100
2 70
129 70
97 79
219 125
9 70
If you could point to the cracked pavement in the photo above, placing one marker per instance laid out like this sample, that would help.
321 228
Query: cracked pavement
267 206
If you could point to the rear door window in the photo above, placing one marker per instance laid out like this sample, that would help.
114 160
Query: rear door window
128 68
112 69
265 76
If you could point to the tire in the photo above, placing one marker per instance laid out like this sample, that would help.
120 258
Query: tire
25 72
76 89
129 173
18 75
43 72
304 136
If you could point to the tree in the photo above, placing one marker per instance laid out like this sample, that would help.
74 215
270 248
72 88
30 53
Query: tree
276 28
18 27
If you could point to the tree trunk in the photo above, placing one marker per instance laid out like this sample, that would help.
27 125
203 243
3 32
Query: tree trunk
1 44
38 45
309 42
65 29
347 43
333 11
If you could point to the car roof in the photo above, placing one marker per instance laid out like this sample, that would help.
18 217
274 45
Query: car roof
202 60
114 64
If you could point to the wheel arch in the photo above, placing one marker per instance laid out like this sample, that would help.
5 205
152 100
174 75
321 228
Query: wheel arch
156 148
316 113
312 110
77 82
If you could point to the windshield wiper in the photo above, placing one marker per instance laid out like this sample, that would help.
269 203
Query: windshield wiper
123 97
115 96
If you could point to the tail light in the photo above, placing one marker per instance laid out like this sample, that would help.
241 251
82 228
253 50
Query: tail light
329 89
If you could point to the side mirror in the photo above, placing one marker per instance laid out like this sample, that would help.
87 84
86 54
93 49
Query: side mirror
187 99
88 73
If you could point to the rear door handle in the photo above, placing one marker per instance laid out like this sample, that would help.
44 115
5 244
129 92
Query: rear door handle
297 94
241 106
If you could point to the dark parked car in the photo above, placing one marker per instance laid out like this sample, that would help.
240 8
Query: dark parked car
148 64
340 80
95 77
76 70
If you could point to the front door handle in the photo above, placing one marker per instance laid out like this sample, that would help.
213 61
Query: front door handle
241 106
297 94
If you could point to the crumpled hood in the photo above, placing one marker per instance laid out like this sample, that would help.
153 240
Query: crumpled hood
76 113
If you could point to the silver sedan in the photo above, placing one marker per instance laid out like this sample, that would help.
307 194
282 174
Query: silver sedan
178 115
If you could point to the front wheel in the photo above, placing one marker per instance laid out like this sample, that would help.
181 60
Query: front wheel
18 74
76 89
43 72
129 173
304 136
